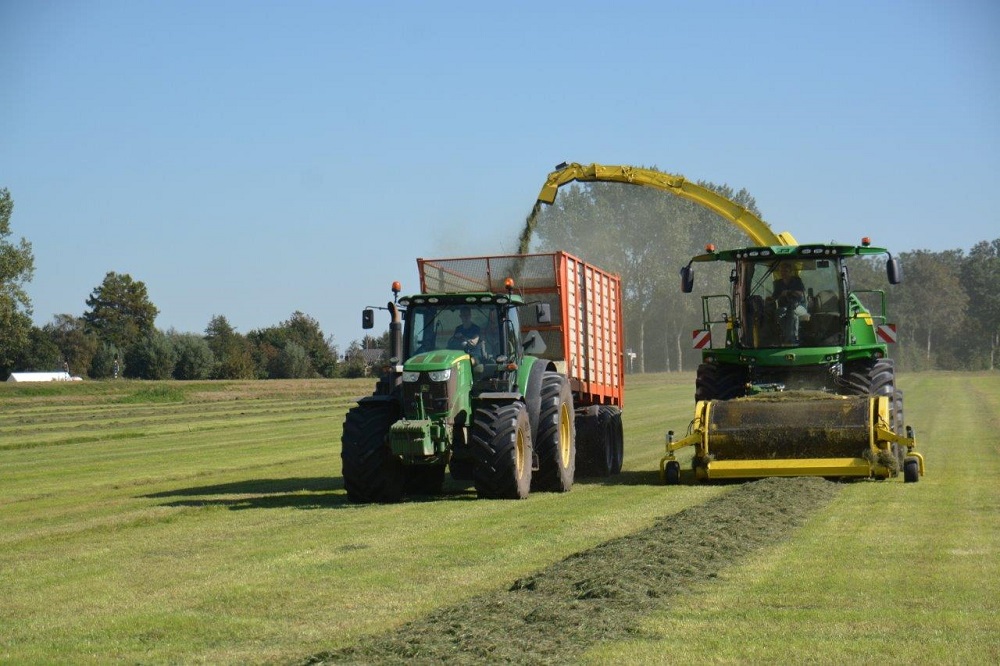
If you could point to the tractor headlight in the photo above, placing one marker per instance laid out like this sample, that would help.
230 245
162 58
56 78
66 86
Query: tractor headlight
440 375
409 376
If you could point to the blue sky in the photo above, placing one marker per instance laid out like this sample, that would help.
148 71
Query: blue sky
251 159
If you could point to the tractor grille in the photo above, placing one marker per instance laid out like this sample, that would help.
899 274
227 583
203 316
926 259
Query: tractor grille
436 396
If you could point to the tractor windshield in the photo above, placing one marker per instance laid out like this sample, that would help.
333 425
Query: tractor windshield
791 303
468 327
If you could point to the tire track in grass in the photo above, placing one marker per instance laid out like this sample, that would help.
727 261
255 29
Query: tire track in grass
600 594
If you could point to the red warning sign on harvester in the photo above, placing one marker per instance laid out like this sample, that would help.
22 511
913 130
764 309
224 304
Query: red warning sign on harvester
886 332
700 339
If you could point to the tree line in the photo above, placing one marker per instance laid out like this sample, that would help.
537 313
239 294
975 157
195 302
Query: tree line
947 309
116 335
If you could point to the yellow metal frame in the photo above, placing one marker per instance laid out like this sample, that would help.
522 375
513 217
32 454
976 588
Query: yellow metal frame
880 440
758 230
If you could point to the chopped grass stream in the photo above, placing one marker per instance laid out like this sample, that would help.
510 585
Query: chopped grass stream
602 593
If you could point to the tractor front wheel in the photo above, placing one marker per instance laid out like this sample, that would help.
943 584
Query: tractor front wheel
371 472
501 447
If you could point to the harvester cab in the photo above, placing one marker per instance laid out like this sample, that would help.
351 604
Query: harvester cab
795 378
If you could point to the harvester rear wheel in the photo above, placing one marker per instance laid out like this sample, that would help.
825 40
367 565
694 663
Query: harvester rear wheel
501 446
896 424
556 436
371 472
911 470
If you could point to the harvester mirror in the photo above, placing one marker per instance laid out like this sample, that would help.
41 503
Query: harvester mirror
543 313
367 318
894 271
687 279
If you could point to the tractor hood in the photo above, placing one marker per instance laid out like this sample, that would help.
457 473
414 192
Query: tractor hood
438 359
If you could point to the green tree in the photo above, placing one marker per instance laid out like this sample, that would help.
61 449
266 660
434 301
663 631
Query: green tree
981 279
75 344
152 357
302 330
40 354
17 267
931 307
645 236
195 359
120 311
233 352
105 360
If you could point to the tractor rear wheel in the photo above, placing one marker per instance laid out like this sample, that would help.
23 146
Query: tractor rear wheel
501 446
555 442
371 472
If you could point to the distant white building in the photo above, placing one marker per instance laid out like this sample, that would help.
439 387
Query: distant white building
41 377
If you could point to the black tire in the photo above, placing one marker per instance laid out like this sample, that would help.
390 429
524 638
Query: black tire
612 416
424 479
911 470
501 447
595 455
870 378
555 442
371 472
672 473
897 424
720 382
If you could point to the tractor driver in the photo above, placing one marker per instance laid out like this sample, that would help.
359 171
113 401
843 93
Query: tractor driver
466 333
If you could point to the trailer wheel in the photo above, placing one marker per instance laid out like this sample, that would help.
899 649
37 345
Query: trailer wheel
501 447
555 443
612 418
911 470
371 473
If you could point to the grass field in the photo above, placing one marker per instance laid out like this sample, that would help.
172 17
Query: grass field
207 523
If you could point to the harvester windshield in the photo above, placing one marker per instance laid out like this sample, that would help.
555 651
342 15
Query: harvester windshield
791 303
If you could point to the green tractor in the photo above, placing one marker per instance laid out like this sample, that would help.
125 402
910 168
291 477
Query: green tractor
801 383
467 390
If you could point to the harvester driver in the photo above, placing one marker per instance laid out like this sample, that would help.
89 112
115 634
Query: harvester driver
790 295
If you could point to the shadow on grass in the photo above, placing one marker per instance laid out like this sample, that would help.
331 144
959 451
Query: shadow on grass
294 493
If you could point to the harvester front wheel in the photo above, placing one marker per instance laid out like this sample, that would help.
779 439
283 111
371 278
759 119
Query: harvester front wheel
719 382
371 472
672 473
911 470
501 446
556 436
